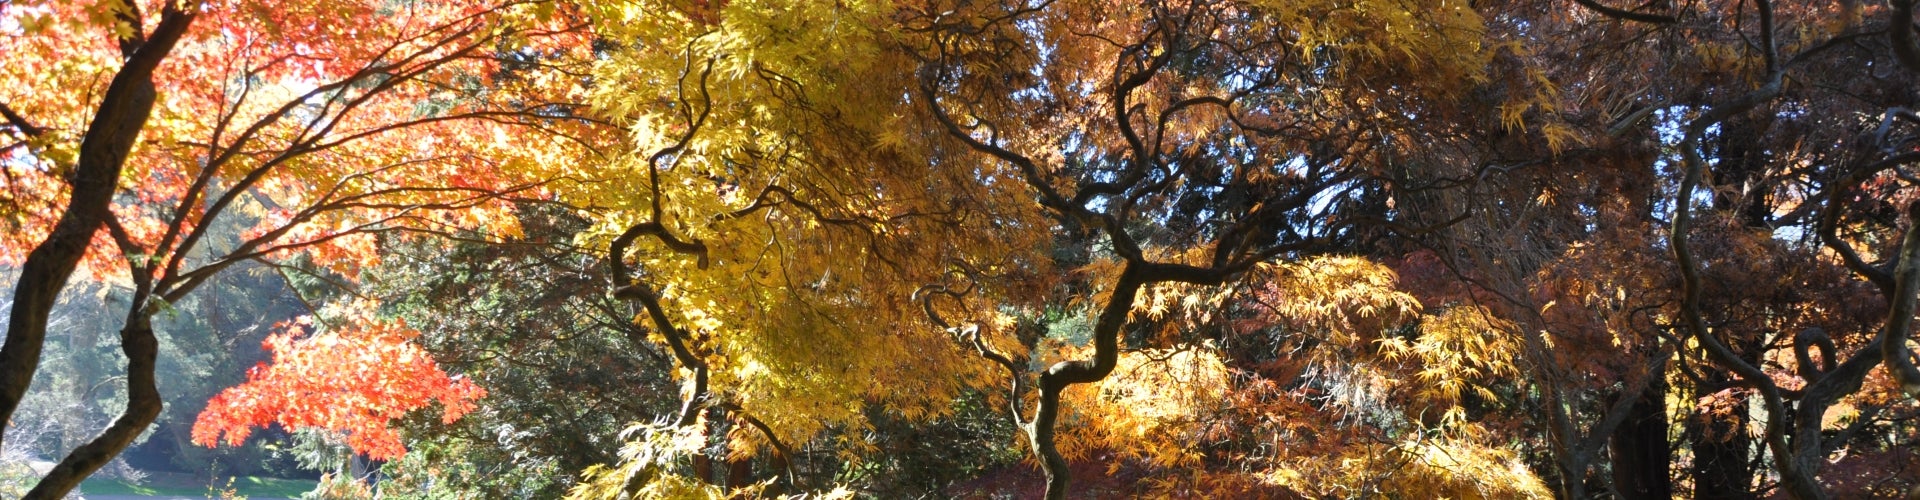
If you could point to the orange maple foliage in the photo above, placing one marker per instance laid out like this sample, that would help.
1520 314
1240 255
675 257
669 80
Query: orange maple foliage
313 129
354 379
319 123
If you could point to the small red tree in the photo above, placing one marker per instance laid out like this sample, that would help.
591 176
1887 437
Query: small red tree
355 378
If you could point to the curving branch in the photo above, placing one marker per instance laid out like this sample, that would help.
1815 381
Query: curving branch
695 247
1827 227
1795 479
1899 327
638 291
1814 337
1030 171
1809 447
671 153
971 335
1628 15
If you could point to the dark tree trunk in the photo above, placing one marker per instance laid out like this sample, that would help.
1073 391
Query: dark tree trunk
1743 165
739 472
779 463
1641 456
143 405
123 111
703 468
1054 381
1722 454
703 464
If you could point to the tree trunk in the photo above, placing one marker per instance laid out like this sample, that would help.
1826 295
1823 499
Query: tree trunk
1722 466
123 111
703 468
1040 437
1641 457
143 405
739 473
1106 355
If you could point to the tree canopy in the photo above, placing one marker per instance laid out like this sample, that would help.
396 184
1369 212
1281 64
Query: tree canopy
1212 248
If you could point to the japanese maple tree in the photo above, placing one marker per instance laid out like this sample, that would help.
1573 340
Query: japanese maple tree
321 125
355 376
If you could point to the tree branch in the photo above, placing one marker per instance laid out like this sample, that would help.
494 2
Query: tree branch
1624 14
